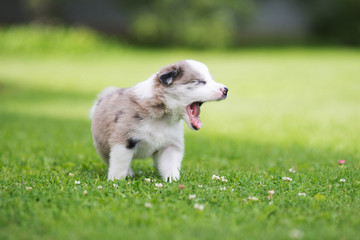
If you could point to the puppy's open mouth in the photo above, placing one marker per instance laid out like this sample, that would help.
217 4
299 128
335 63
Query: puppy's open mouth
193 111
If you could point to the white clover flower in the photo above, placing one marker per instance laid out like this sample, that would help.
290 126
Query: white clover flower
192 196
77 182
253 199
271 192
200 186
342 180
222 188
271 202
292 170
71 174
287 179
148 205
302 194
224 180
154 180
158 185
84 192
99 187
115 185
199 207
214 177
147 179
28 188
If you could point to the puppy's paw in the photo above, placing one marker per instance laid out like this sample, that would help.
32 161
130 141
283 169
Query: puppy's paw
173 177
116 176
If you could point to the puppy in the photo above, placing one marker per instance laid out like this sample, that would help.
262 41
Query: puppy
145 120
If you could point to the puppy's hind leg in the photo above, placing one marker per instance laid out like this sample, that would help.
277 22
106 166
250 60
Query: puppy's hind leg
120 162
168 163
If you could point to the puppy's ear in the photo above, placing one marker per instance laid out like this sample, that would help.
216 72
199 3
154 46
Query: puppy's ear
168 77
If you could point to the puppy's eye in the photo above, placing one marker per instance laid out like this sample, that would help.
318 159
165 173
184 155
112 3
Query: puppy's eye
198 82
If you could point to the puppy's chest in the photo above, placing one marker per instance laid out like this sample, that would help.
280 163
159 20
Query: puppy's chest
155 136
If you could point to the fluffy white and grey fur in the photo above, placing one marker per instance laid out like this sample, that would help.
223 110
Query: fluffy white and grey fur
145 120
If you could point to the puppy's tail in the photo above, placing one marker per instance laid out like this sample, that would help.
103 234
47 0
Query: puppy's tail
102 94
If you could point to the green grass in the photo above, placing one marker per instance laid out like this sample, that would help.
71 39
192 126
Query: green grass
289 108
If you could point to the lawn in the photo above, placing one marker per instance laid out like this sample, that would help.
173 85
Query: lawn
296 108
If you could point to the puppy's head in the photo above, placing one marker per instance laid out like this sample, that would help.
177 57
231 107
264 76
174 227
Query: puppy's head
187 85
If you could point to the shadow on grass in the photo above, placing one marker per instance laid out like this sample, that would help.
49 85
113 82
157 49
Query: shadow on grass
37 143
14 92
228 152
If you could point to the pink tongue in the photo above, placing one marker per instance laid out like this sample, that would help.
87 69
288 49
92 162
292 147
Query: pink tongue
194 115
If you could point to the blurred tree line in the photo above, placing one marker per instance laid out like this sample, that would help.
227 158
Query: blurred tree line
334 21
200 23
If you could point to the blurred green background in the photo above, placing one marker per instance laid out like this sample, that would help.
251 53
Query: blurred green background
200 23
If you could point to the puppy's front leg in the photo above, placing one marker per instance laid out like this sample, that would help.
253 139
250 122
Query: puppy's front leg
120 162
168 163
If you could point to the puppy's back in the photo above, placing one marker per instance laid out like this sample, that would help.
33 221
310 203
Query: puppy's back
102 123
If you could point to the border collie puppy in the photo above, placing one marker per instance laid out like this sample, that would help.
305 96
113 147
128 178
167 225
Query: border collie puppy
146 119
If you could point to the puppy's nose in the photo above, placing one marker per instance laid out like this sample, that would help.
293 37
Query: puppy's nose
225 91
